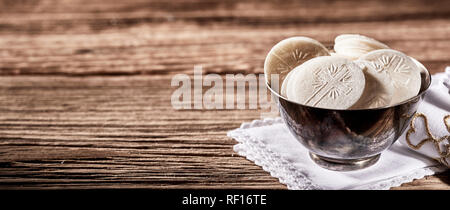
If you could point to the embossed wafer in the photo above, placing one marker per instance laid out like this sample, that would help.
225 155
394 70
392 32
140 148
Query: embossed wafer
401 69
353 45
289 53
326 82
379 89
422 68
333 54
285 84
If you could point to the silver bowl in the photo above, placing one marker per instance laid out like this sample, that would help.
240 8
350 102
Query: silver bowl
345 140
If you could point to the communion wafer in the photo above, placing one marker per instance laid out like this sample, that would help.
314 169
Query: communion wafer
353 45
421 67
326 82
342 37
333 54
285 84
401 69
289 53
379 89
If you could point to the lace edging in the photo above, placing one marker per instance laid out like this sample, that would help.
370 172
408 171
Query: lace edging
254 150
399 180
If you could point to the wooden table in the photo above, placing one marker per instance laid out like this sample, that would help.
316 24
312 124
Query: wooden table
85 86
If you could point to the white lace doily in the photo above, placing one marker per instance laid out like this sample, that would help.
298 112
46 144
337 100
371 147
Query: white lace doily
269 144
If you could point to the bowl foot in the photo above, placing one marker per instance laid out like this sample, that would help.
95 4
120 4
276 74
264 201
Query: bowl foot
343 164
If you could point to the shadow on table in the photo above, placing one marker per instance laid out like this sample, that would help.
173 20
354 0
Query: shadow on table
444 177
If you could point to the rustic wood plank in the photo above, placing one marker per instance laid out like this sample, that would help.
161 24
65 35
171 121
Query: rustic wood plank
157 50
101 132
85 16
436 182
160 37
96 132
85 85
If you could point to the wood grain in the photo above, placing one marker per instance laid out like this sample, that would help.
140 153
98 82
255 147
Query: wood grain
85 85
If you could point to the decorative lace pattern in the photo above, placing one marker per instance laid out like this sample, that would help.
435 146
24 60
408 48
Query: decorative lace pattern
397 181
258 152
